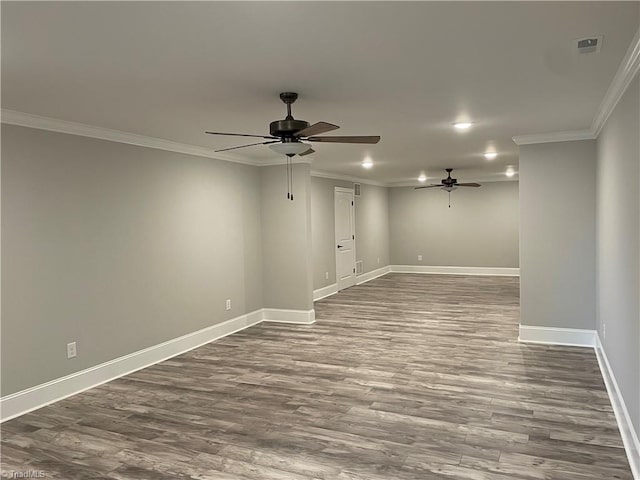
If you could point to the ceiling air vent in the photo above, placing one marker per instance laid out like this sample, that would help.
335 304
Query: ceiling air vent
589 44
356 189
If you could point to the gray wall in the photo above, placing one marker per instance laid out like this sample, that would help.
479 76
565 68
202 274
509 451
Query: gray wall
557 234
618 240
118 248
286 234
479 230
372 227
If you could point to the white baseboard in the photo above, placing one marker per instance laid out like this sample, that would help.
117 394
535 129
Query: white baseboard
305 317
590 338
367 277
627 432
325 292
30 399
329 290
443 270
557 336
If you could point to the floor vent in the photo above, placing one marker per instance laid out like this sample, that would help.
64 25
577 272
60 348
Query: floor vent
359 268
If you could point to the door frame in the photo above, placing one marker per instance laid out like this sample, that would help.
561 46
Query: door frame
353 233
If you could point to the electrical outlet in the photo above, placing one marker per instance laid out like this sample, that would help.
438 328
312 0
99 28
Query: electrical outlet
228 304
419 258
326 275
71 350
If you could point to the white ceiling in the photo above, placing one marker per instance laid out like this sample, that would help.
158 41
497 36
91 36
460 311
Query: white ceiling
404 71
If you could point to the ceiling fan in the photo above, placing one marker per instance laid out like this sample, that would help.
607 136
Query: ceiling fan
449 184
287 136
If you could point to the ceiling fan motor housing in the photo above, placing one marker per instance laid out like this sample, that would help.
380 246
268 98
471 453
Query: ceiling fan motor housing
286 128
289 133
449 181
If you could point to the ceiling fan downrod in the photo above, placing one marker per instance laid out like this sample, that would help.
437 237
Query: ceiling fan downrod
288 98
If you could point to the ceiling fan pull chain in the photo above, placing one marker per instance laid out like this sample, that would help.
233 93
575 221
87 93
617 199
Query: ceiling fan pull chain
286 167
449 199
291 176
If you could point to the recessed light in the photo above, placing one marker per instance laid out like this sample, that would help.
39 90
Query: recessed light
462 125
422 178
510 172
367 163
490 155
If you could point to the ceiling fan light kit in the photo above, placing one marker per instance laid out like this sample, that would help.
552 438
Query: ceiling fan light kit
290 148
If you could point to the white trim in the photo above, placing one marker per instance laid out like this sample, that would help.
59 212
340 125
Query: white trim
32 398
342 284
29 120
337 176
445 270
627 70
368 276
22 119
306 317
325 292
590 338
329 290
554 137
36 397
627 432
557 336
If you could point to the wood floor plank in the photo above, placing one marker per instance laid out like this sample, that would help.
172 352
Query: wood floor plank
405 377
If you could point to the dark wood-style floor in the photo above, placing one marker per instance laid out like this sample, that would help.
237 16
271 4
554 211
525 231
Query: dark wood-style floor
404 377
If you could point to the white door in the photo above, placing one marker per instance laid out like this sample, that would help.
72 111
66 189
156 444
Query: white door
345 238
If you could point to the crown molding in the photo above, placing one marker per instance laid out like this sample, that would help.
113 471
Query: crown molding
337 176
628 69
554 137
22 119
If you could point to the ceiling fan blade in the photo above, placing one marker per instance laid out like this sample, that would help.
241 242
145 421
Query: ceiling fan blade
428 186
248 145
370 139
468 185
316 129
241 135
306 152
